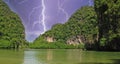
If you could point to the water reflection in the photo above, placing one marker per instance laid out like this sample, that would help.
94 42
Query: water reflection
58 56
69 56
49 55
30 57
75 56
62 56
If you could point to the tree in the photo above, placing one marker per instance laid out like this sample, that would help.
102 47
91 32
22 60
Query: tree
108 13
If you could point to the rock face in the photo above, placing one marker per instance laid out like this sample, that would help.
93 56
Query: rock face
76 40
49 39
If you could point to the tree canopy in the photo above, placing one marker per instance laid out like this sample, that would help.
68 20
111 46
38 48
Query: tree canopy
108 13
11 29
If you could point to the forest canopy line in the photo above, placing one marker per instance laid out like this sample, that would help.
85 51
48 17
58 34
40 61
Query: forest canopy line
96 28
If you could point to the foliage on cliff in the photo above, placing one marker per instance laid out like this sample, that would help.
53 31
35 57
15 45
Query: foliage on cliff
99 27
83 23
108 13
11 29
96 27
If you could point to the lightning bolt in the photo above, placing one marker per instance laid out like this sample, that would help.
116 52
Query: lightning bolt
32 12
23 1
60 8
43 15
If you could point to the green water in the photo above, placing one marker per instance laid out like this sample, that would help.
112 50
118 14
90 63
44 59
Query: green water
58 56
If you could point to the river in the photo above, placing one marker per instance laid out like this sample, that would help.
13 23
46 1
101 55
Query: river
57 56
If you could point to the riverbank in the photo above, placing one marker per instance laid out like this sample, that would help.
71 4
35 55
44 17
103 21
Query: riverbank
55 45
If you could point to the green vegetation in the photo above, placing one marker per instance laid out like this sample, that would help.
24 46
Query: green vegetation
82 24
96 27
108 13
41 43
11 29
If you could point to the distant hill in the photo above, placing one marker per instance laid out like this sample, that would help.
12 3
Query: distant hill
96 27
81 25
11 29
81 29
